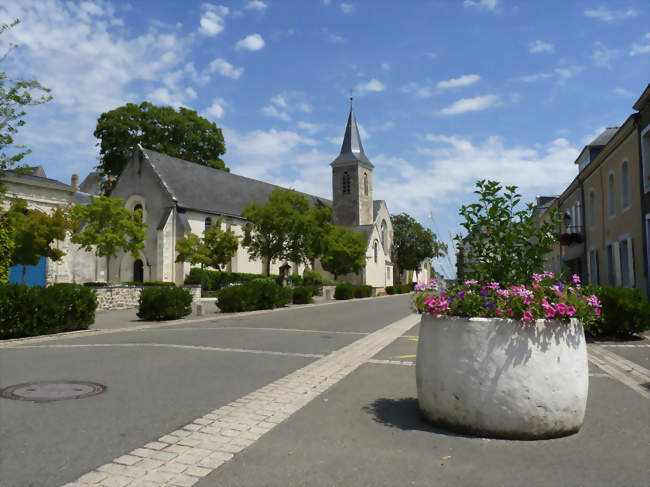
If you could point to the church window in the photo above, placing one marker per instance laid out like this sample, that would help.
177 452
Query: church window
346 183
138 207
365 183
208 224
383 233
376 248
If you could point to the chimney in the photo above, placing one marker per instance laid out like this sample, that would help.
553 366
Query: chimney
74 182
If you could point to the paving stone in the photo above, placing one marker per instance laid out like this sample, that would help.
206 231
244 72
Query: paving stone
169 439
111 468
142 452
173 467
150 464
160 476
179 449
192 427
188 459
203 421
134 472
189 442
156 445
183 480
147 483
180 433
165 456
128 460
93 477
116 481
197 471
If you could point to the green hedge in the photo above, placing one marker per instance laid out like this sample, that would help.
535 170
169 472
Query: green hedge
302 295
261 293
215 280
624 312
164 303
38 310
399 289
312 278
362 291
297 280
344 291
148 283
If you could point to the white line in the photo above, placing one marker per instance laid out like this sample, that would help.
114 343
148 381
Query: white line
254 328
615 367
182 457
172 345
625 345
410 363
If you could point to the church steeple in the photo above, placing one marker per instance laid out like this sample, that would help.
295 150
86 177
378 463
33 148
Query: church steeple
352 180
351 149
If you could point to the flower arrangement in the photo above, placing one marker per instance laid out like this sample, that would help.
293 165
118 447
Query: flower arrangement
547 297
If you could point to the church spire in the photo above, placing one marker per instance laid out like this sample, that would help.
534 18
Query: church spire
351 149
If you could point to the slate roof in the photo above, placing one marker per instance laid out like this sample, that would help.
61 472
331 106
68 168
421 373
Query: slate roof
203 188
40 180
376 206
92 184
351 149
604 137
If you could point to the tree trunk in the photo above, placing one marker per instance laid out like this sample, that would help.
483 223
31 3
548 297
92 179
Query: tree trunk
268 267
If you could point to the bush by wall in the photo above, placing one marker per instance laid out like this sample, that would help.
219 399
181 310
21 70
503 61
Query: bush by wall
261 293
297 280
362 291
344 291
312 278
624 312
215 280
302 295
399 289
390 290
148 283
41 310
164 303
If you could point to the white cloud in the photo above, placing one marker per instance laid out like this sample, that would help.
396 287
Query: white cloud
312 128
224 68
279 101
568 72
211 22
606 15
423 91
471 105
216 109
639 49
163 96
253 42
535 77
191 93
333 38
348 8
385 66
432 54
482 4
622 92
373 85
272 111
540 46
256 5
464 80
603 56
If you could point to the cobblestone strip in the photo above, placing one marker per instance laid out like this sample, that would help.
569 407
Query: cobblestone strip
626 345
632 375
182 457
410 363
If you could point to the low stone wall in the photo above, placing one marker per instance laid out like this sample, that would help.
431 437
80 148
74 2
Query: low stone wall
126 297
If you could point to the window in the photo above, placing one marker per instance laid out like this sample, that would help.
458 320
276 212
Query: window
346 183
208 224
365 183
376 247
625 185
611 275
592 208
611 196
626 261
383 233
139 207
593 267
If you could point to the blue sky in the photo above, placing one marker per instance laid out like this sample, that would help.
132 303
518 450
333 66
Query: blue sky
446 92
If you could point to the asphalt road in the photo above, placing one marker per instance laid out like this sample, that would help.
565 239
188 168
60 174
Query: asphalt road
363 430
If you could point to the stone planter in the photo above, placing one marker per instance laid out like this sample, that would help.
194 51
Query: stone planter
495 377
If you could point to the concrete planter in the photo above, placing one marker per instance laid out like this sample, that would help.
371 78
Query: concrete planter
494 377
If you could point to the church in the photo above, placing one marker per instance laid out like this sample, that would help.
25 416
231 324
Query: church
178 196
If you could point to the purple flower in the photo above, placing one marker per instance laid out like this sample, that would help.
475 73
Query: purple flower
489 305
484 293
559 285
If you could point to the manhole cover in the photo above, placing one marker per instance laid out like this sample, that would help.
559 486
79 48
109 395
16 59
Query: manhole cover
52 391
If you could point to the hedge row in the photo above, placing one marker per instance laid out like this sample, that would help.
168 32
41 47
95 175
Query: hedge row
624 312
348 291
130 283
164 303
28 311
302 295
261 293
215 280
399 289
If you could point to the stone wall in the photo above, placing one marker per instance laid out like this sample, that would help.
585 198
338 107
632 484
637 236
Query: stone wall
126 297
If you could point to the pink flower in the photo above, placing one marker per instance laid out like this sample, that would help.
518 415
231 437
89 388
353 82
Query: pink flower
527 316
509 311
570 310
561 308
576 278
537 277
470 283
493 285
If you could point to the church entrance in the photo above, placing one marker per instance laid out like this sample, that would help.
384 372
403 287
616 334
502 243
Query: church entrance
138 271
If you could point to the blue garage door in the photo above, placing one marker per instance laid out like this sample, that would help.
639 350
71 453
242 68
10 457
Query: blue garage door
34 276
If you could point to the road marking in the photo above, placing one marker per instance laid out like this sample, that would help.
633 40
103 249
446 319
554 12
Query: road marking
391 362
414 339
184 456
629 373
172 345
626 345
253 328
402 356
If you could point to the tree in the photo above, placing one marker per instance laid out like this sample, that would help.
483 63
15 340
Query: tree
6 249
15 94
345 251
412 243
286 227
215 249
34 232
106 227
504 243
181 133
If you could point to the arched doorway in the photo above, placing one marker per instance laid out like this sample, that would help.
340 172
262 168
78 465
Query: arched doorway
138 271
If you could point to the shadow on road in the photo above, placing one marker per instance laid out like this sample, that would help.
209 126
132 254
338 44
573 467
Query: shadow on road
404 414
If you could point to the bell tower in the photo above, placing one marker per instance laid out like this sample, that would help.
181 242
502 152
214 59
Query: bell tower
352 179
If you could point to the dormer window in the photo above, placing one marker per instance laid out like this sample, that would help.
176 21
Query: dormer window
346 183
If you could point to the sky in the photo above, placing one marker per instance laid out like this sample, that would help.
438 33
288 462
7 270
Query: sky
445 92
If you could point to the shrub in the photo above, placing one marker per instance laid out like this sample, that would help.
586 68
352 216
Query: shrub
302 295
404 288
390 290
95 284
297 279
261 293
215 280
148 283
44 310
164 303
312 278
344 291
362 291
624 312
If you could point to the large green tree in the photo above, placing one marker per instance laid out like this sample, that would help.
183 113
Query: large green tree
34 233
215 249
412 243
106 227
6 249
181 133
15 95
287 228
344 252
